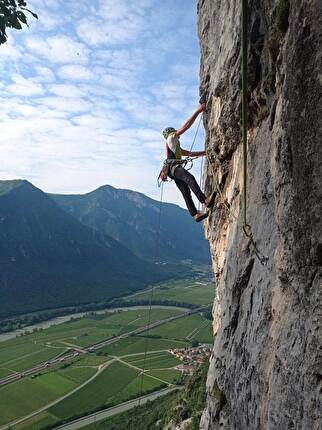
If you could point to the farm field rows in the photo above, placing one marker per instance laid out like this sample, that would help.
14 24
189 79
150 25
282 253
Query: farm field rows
193 327
27 351
185 291
112 372
116 384
29 394
136 344
159 360
170 375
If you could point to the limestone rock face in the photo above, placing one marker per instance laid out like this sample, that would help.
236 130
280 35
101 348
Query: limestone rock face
265 370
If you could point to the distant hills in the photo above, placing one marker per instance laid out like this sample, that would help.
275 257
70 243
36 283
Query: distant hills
58 250
49 259
131 218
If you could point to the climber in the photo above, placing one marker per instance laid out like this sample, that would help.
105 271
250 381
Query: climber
184 180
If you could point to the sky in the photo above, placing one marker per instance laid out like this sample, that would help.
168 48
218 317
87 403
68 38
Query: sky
87 89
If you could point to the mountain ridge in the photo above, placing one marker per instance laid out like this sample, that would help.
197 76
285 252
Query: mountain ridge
133 219
49 259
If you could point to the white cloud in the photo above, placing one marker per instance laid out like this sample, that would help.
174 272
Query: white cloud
123 9
9 51
104 121
58 49
115 82
69 105
44 74
65 90
24 87
188 72
98 31
125 62
94 148
49 22
116 22
75 72
82 112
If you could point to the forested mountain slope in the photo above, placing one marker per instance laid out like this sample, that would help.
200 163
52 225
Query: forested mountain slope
133 219
49 259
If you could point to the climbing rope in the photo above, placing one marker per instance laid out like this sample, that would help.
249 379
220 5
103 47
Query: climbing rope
247 229
189 159
200 180
156 258
195 136
245 226
244 103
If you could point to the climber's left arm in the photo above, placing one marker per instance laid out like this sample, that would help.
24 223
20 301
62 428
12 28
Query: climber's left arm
193 153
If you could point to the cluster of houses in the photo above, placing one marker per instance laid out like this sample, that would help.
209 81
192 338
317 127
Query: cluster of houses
191 357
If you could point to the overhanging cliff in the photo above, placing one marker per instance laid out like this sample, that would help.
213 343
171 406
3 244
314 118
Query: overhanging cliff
265 370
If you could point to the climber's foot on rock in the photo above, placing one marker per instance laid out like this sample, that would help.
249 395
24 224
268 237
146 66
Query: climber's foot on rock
210 200
223 205
200 216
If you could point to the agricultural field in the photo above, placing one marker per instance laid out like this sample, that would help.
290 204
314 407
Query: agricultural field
157 360
27 351
193 327
136 344
172 376
23 353
181 291
115 384
29 394
98 379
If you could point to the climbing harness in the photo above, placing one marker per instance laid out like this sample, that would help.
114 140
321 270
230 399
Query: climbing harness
187 163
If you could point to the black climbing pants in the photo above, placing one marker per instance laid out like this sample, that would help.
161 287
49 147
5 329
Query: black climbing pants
185 181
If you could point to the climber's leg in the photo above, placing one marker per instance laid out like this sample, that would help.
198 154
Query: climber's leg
186 177
185 191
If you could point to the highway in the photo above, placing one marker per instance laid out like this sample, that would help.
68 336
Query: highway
73 354
106 413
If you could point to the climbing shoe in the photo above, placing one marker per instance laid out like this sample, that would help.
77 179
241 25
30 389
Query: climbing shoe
200 216
210 200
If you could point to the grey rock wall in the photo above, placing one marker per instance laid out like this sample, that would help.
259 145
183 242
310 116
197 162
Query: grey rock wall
266 367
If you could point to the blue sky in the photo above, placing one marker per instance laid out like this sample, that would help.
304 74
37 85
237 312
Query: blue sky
87 90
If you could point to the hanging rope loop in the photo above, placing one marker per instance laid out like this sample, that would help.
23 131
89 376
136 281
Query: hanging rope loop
244 103
248 233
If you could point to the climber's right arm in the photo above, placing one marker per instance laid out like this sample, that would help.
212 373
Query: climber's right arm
191 120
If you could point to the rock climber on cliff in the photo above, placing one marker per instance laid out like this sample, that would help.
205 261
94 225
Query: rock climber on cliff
184 180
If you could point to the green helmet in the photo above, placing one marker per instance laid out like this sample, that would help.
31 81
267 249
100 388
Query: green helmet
167 131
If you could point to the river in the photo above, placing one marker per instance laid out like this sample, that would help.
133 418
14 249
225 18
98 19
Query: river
62 319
